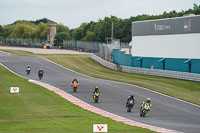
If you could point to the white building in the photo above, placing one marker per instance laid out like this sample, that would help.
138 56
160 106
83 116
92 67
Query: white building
173 38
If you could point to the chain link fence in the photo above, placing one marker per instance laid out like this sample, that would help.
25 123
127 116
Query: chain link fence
100 49
22 42
91 47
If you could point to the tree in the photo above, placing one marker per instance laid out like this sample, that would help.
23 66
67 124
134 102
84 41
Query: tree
24 31
7 30
42 30
78 33
60 36
44 20
90 37
196 9
1 31
62 28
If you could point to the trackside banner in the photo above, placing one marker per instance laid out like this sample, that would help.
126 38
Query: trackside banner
14 89
100 128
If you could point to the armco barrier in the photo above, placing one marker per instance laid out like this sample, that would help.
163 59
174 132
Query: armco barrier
146 71
162 73
103 62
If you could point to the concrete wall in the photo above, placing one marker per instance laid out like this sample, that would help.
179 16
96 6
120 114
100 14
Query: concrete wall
146 71
103 62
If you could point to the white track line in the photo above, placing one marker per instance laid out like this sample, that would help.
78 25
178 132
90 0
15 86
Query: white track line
5 52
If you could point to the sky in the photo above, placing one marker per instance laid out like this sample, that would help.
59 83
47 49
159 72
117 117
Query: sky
72 13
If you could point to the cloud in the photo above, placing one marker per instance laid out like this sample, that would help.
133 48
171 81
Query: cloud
73 12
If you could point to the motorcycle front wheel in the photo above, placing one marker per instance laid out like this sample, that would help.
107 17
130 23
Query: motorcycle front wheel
96 100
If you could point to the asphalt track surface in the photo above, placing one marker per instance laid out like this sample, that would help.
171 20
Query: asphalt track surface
166 112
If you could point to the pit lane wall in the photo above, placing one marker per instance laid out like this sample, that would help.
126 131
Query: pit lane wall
147 71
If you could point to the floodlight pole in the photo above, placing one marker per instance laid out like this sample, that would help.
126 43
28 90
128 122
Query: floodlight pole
112 31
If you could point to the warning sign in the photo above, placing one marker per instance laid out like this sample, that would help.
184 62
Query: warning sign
100 128
14 89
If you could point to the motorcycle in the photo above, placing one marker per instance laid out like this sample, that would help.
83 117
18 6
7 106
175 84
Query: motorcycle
74 86
96 97
130 105
144 109
28 71
40 76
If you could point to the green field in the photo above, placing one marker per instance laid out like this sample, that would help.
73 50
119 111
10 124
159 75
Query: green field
185 90
35 110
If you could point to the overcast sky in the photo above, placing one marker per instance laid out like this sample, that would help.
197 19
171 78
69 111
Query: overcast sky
72 13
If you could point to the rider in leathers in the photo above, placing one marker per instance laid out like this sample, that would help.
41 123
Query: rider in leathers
96 90
73 81
148 101
131 97
40 72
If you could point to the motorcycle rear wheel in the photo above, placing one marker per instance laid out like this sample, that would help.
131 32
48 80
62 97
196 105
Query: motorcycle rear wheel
129 109
96 100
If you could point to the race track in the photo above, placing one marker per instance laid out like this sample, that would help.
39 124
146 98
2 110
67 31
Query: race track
166 112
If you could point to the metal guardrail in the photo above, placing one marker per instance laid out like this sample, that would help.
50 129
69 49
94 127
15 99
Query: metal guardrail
146 71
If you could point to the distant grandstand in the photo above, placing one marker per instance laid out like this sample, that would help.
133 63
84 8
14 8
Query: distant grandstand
167 38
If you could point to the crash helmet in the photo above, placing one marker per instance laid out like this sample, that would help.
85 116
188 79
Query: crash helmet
75 79
28 66
132 96
96 88
148 100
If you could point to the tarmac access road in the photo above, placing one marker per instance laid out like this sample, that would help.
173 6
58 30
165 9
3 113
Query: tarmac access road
166 112
42 51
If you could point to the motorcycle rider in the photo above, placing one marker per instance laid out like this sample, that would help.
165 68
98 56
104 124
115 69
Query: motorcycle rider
96 90
74 81
131 97
148 101
40 73
96 94
28 68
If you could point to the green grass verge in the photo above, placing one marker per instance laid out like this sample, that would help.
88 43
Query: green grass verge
35 109
185 90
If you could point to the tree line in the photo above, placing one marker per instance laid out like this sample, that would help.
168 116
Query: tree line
93 31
